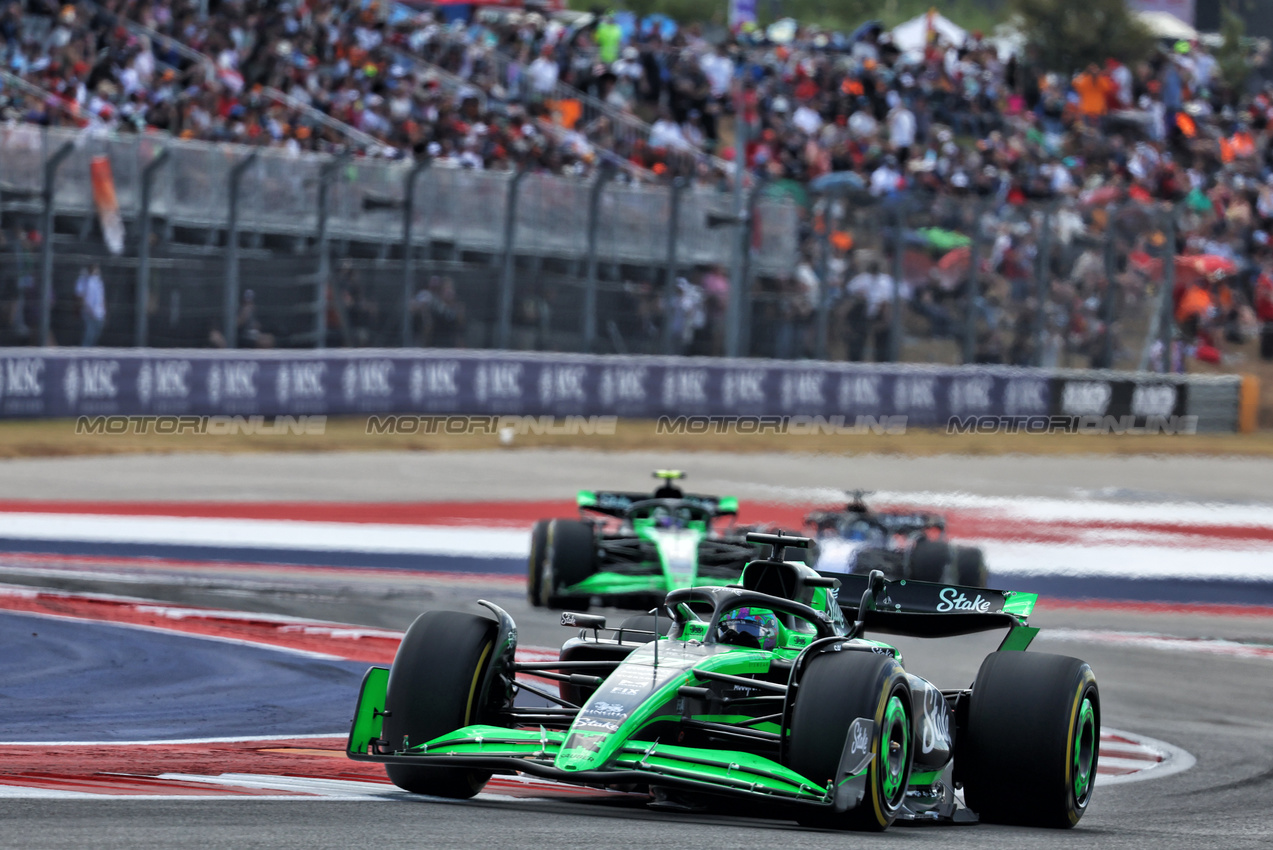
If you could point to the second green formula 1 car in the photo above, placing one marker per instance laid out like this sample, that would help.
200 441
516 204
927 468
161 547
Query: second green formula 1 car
630 549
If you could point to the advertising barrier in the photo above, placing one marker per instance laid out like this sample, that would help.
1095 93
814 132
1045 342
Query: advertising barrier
52 383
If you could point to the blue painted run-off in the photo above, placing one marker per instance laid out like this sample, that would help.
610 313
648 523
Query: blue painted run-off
65 680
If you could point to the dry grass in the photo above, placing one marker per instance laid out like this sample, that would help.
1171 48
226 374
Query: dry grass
57 438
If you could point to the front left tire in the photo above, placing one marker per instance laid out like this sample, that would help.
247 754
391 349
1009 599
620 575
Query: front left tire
435 687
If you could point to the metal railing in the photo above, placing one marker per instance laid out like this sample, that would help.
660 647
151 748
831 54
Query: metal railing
557 239
460 207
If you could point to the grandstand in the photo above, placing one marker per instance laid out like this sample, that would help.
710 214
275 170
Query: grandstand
373 175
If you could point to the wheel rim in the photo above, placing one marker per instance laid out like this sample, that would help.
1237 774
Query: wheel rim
1085 745
895 743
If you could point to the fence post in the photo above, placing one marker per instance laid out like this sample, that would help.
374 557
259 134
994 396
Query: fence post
46 244
895 314
748 222
326 176
604 176
734 308
671 267
1042 266
1167 320
230 307
504 331
148 173
1107 303
408 250
822 331
973 289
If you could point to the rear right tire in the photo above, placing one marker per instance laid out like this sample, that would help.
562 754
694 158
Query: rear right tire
1028 755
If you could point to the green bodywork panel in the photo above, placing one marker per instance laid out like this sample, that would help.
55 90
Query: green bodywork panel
1020 604
604 723
729 768
368 721
1018 639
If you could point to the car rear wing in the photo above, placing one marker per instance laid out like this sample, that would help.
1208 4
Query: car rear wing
888 522
934 610
616 504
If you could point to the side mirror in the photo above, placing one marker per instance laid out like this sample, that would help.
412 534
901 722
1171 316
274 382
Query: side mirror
876 582
583 621
875 586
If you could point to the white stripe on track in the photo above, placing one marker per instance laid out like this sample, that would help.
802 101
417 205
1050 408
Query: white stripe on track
267 534
1162 643
21 792
1132 561
1081 508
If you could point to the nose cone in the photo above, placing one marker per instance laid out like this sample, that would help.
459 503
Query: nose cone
582 751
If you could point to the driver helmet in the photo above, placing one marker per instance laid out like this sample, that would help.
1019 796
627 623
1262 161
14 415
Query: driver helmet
667 518
858 530
752 627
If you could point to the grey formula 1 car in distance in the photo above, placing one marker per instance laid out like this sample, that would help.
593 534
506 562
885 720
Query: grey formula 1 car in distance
900 544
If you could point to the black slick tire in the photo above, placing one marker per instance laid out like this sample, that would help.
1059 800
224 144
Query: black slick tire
571 556
928 560
434 688
535 563
1029 753
970 567
835 689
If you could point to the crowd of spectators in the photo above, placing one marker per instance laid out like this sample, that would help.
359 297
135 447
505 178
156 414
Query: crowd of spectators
988 147
1059 179
293 74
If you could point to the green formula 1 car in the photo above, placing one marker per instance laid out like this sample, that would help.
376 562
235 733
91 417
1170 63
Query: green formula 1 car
765 691
630 549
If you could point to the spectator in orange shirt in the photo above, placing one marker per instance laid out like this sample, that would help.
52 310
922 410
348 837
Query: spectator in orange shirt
1094 90
1194 304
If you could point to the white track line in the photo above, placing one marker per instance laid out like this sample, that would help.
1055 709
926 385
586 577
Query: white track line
1161 643
267 534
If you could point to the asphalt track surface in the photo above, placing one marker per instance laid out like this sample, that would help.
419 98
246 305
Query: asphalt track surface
1215 705
546 473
